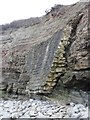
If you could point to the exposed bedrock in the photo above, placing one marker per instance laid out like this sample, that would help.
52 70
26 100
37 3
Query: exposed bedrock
53 52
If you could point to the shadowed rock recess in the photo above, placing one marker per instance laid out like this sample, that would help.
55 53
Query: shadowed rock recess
39 54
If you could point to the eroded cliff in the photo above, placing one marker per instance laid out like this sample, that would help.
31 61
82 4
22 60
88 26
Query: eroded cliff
52 51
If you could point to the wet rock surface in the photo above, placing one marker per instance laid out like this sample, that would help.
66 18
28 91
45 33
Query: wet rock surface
32 108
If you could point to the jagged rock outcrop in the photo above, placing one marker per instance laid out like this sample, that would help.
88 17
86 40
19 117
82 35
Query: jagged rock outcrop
48 52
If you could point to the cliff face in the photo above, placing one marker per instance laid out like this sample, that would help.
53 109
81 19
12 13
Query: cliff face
53 50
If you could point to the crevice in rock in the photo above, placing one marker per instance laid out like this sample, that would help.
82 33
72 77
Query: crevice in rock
74 24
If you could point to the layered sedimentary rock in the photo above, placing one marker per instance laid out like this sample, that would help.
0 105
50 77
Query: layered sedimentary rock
54 50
